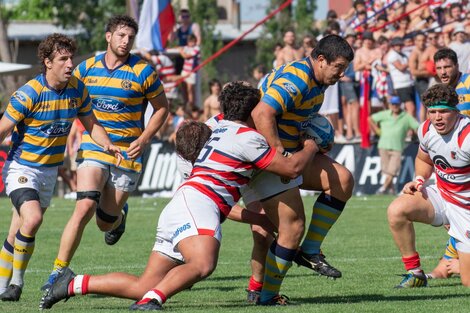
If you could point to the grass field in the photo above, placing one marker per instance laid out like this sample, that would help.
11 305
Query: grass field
360 245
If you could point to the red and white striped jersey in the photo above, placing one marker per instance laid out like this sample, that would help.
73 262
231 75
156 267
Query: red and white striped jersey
227 161
191 62
450 155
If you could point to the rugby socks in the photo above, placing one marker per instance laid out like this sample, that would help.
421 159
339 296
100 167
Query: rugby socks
79 285
58 265
412 263
325 213
6 265
153 294
278 262
23 250
254 285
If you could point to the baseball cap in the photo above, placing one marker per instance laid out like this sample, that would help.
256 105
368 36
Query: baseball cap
458 29
395 100
367 35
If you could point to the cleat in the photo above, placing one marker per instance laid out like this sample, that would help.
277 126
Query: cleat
13 293
317 263
112 237
59 289
413 280
146 304
274 301
252 296
51 279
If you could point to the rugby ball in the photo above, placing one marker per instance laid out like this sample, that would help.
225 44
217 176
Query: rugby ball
318 128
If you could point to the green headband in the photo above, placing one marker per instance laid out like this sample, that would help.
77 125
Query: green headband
443 104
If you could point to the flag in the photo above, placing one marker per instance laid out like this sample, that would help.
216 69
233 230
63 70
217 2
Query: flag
364 110
155 24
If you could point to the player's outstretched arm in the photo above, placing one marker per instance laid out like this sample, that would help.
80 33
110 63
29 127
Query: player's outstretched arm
293 165
160 107
6 127
242 215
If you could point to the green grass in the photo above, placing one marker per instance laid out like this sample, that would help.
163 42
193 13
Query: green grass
360 245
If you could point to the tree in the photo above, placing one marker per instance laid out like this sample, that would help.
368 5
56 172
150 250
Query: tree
91 15
300 20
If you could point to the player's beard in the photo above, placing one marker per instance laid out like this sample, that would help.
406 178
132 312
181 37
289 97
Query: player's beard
119 53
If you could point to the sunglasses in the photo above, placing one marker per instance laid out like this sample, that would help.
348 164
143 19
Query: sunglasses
184 16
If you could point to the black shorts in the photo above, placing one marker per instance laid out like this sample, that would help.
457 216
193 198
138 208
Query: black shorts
406 94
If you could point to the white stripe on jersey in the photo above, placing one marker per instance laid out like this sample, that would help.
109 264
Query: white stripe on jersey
227 161
451 160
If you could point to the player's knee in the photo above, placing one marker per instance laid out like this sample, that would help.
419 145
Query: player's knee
395 213
261 238
32 222
206 269
346 180
465 281
22 195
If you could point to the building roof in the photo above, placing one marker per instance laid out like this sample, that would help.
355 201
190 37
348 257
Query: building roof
37 31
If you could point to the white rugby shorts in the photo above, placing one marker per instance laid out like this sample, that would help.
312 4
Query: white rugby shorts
42 179
189 213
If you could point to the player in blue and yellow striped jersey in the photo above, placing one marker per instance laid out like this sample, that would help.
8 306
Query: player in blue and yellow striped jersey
119 83
290 94
447 71
40 114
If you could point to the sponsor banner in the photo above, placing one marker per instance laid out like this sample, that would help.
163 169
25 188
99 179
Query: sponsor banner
160 176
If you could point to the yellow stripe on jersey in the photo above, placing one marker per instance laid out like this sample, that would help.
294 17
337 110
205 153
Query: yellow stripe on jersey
117 96
293 92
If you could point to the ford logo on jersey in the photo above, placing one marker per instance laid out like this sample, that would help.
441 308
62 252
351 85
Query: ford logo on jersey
57 129
107 105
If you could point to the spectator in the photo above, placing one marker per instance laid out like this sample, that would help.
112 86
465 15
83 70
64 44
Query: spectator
392 126
417 15
186 27
401 77
308 43
212 104
190 53
462 47
277 50
417 65
290 52
259 72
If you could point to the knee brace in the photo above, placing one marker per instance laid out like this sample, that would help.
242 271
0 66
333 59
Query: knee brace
105 217
22 195
92 195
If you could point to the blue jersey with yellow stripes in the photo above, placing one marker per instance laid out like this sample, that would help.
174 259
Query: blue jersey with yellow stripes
117 99
451 250
294 93
463 90
43 118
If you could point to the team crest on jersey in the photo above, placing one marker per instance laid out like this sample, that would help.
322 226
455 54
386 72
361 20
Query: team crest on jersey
126 84
453 155
73 103
107 105
20 96
290 88
461 99
22 180
56 129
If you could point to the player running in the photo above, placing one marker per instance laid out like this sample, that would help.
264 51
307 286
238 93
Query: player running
444 149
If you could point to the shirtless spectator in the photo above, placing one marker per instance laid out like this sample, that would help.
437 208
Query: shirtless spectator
289 52
308 43
418 16
428 57
417 65
402 27
367 54
379 29
277 50
454 19
211 104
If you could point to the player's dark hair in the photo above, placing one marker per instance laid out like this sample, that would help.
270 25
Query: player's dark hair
237 100
191 137
332 47
440 93
121 20
445 53
52 44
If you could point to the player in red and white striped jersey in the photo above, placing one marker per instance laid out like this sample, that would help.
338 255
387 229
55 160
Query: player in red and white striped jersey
188 232
445 150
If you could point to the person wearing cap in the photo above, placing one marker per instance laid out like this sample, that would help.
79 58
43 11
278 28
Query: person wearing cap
392 126
447 69
462 47
444 149
401 77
